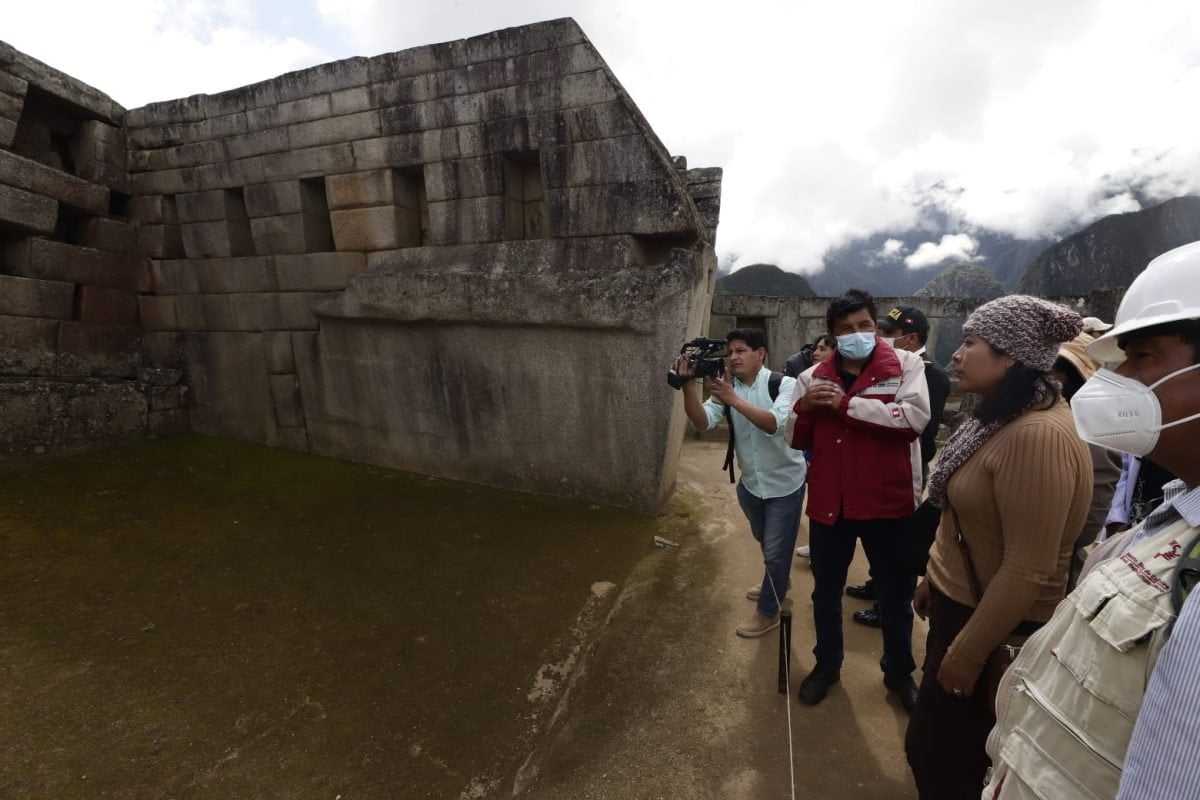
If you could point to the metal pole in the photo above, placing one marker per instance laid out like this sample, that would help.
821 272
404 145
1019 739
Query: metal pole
785 649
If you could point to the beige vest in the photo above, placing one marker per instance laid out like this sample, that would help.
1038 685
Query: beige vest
1065 710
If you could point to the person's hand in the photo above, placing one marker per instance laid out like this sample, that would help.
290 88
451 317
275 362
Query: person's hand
723 391
921 600
683 367
825 394
957 679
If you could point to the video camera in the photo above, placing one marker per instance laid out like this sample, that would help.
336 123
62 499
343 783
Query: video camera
703 357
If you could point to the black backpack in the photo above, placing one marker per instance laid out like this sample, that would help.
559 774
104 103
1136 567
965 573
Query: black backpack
773 390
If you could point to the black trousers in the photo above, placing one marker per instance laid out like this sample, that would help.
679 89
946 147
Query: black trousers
832 550
947 735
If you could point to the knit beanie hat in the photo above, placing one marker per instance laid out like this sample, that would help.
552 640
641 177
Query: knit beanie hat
1027 328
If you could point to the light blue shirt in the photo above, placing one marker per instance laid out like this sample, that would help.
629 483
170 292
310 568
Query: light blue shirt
769 467
1161 761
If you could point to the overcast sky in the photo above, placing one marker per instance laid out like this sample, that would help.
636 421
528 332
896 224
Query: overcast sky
832 120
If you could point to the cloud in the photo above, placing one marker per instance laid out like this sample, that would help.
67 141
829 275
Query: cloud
956 247
1027 118
892 248
153 50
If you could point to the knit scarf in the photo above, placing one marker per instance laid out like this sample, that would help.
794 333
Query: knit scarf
969 437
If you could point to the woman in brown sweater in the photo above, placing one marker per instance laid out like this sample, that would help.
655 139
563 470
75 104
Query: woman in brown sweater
1014 484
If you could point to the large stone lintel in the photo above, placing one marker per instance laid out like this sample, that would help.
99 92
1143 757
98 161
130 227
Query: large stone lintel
24 173
309 272
63 86
28 297
617 296
27 211
55 261
248 312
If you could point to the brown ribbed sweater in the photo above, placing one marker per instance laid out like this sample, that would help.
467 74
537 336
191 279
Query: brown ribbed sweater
1022 499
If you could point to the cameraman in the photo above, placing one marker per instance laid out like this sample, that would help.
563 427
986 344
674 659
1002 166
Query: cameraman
771 491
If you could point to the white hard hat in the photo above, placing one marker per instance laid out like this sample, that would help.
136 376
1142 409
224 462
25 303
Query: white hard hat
1095 324
1168 290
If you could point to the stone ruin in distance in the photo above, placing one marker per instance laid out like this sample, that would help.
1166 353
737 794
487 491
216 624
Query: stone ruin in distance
471 260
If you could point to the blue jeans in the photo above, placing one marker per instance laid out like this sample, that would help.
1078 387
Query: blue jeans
774 523
832 550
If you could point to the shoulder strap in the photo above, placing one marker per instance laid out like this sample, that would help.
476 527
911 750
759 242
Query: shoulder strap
728 465
976 586
773 383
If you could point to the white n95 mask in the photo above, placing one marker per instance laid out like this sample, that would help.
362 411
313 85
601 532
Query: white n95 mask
1122 414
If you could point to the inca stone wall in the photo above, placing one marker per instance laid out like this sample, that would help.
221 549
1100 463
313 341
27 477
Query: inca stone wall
72 374
470 260
792 322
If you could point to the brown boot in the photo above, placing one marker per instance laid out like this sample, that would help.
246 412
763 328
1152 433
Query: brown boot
757 625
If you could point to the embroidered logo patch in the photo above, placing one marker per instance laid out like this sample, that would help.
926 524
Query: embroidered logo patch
1172 552
1148 578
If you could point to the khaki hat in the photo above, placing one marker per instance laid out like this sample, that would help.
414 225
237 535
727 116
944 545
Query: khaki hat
1095 324
1075 352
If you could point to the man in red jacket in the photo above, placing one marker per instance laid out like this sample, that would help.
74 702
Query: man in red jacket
861 413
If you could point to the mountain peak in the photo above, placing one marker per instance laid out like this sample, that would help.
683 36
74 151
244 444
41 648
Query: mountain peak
964 280
765 279
1112 251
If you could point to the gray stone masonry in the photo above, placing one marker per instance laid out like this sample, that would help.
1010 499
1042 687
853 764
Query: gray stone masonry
12 100
64 416
251 311
278 346
486 228
70 340
28 297
98 350
366 229
286 273
26 68
98 150
26 211
114 306
55 261
73 192
28 346
704 185
115 236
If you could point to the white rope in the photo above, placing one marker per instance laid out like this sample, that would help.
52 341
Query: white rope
787 682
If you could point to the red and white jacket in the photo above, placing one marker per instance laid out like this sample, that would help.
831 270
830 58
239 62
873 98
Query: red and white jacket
866 454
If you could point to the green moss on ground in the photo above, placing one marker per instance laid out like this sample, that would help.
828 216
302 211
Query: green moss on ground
200 617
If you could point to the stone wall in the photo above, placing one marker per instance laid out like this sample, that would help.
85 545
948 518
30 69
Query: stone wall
71 369
791 322
472 260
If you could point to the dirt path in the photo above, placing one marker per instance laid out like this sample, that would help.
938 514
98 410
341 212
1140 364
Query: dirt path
672 704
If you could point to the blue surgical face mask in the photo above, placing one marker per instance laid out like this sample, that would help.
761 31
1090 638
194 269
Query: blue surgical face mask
856 346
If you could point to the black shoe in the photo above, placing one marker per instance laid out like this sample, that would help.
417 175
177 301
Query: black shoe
863 592
816 684
869 617
904 688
